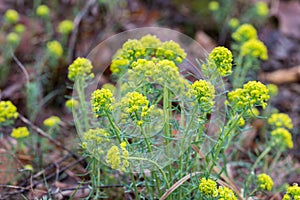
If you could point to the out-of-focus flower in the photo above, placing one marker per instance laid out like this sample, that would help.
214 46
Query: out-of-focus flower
13 38
8 111
226 194
234 23
261 9
213 6
244 33
11 16
282 138
72 103
65 27
254 48
19 28
280 120
55 49
42 11
265 182
52 121
20 132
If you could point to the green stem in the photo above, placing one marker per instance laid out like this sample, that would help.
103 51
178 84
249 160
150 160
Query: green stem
260 157
166 107
80 89
156 165
222 138
116 129
146 139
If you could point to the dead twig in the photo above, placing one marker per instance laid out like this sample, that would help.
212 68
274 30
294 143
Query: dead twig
45 135
77 21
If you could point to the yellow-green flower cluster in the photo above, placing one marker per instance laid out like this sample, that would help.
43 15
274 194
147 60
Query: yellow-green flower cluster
52 121
42 11
20 132
253 93
150 43
172 51
19 28
135 106
8 112
224 193
11 16
293 192
280 120
254 48
119 66
221 57
116 159
93 138
204 94
55 49
208 187
213 6
234 23
72 103
80 68
265 182
13 39
148 47
101 101
244 33
261 9
65 27
282 138
273 89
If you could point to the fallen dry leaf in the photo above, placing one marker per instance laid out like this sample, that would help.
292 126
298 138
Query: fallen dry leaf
282 76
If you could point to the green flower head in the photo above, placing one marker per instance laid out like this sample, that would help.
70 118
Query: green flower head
20 132
150 42
94 139
171 50
244 33
253 93
265 182
273 89
72 103
204 94
19 28
261 9
101 101
208 187
293 192
221 57
80 68
234 23
117 157
42 11
13 39
226 194
11 16
8 112
254 48
282 138
65 27
280 120
135 106
213 6
52 121
55 49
